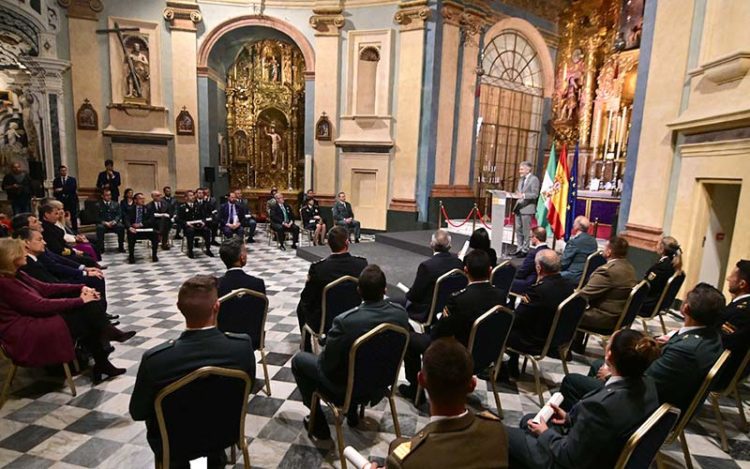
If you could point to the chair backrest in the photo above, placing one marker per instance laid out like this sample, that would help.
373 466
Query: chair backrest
669 293
447 284
488 336
739 373
700 396
593 262
566 321
244 311
374 363
339 296
201 412
642 446
635 300
502 276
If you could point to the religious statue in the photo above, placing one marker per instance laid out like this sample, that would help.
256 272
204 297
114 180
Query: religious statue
275 144
222 150
12 137
273 68
137 72
571 93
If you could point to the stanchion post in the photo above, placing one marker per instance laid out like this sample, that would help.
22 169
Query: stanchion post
474 218
440 215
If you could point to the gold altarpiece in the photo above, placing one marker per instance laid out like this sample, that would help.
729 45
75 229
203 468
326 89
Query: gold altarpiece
265 116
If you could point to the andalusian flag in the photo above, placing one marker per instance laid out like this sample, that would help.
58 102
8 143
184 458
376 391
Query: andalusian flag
543 204
572 196
559 196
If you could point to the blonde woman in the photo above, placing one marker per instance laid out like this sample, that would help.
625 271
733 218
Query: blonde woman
74 240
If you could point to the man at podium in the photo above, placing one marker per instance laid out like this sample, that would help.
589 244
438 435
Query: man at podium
527 195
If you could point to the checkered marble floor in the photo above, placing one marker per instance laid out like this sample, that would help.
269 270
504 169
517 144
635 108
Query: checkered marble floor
43 426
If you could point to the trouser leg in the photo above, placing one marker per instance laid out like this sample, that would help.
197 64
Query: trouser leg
356 226
131 244
120 230
295 233
251 226
306 374
100 230
518 226
575 386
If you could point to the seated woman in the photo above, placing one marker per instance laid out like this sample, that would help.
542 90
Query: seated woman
77 241
480 239
595 430
126 202
313 221
39 322
658 275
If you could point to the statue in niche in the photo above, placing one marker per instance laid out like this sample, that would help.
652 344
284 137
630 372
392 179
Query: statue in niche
571 93
137 71
273 67
275 143
12 137
222 150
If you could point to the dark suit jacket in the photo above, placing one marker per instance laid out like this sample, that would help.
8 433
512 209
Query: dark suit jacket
322 273
333 362
277 216
735 335
577 249
599 426
147 217
61 266
172 360
235 279
534 318
657 277
108 212
464 308
54 236
428 272
526 274
37 270
18 193
607 292
69 194
224 213
186 213
684 364
341 211
103 182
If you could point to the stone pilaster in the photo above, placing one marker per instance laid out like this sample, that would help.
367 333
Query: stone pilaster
411 16
327 22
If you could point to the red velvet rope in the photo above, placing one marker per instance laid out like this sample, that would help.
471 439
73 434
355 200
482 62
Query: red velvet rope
448 220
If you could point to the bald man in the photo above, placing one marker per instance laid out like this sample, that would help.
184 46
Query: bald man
17 185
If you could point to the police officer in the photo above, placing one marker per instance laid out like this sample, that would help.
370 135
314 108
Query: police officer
202 344
109 220
455 436
191 217
735 321
323 272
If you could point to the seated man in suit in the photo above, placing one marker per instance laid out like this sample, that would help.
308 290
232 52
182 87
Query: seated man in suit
455 436
578 248
282 222
461 310
54 236
442 261
686 356
735 321
162 217
231 215
535 313
202 344
343 215
233 253
190 216
248 222
329 370
109 220
323 272
140 224
594 432
607 290
526 274
212 211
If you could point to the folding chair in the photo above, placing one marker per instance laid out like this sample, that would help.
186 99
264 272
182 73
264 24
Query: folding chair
447 284
338 297
13 368
502 276
642 446
374 363
593 262
244 311
635 300
732 388
666 299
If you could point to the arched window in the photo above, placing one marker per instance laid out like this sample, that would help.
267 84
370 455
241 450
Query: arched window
367 77
510 106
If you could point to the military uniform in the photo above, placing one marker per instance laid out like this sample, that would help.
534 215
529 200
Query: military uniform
657 277
189 212
109 212
469 442
172 360
735 336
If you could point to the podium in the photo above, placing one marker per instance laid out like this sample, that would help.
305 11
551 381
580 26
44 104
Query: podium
500 202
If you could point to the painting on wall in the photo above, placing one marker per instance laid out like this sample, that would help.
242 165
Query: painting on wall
86 118
631 24
323 128
185 124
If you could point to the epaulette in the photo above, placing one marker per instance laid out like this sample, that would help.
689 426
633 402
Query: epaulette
458 292
234 335
159 348
402 450
487 415
651 277
728 328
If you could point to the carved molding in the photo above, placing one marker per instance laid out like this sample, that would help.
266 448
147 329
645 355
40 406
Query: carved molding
642 236
182 16
452 13
85 9
412 15
403 205
725 69
327 21
450 191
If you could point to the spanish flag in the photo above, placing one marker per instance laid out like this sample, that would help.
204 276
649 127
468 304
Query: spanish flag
559 196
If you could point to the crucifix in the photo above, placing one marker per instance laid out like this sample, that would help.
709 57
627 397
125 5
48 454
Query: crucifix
132 74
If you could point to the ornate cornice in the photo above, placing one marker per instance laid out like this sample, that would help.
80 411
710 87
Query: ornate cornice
412 15
452 13
327 20
182 16
85 9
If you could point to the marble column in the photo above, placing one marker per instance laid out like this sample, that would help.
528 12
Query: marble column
327 22
452 14
471 32
411 17
182 18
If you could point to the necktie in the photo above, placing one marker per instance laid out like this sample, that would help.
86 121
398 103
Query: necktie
283 209
64 179
231 214
138 215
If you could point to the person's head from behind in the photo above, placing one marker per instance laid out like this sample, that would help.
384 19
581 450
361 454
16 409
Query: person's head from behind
616 248
233 252
581 224
33 240
538 236
12 256
703 306
668 246
338 239
477 266
629 353
480 239
547 262
441 241
447 375
371 284
738 281
198 301
48 213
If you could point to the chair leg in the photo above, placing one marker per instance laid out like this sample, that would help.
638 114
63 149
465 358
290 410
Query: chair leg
525 361
265 371
394 416
417 399
497 397
314 404
69 379
741 409
339 435
245 454
659 460
564 358
233 454
645 326
686 451
663 326
719 421
76 365
537 381
8 381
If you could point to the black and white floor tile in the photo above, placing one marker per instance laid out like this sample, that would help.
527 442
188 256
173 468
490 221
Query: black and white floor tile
43 426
